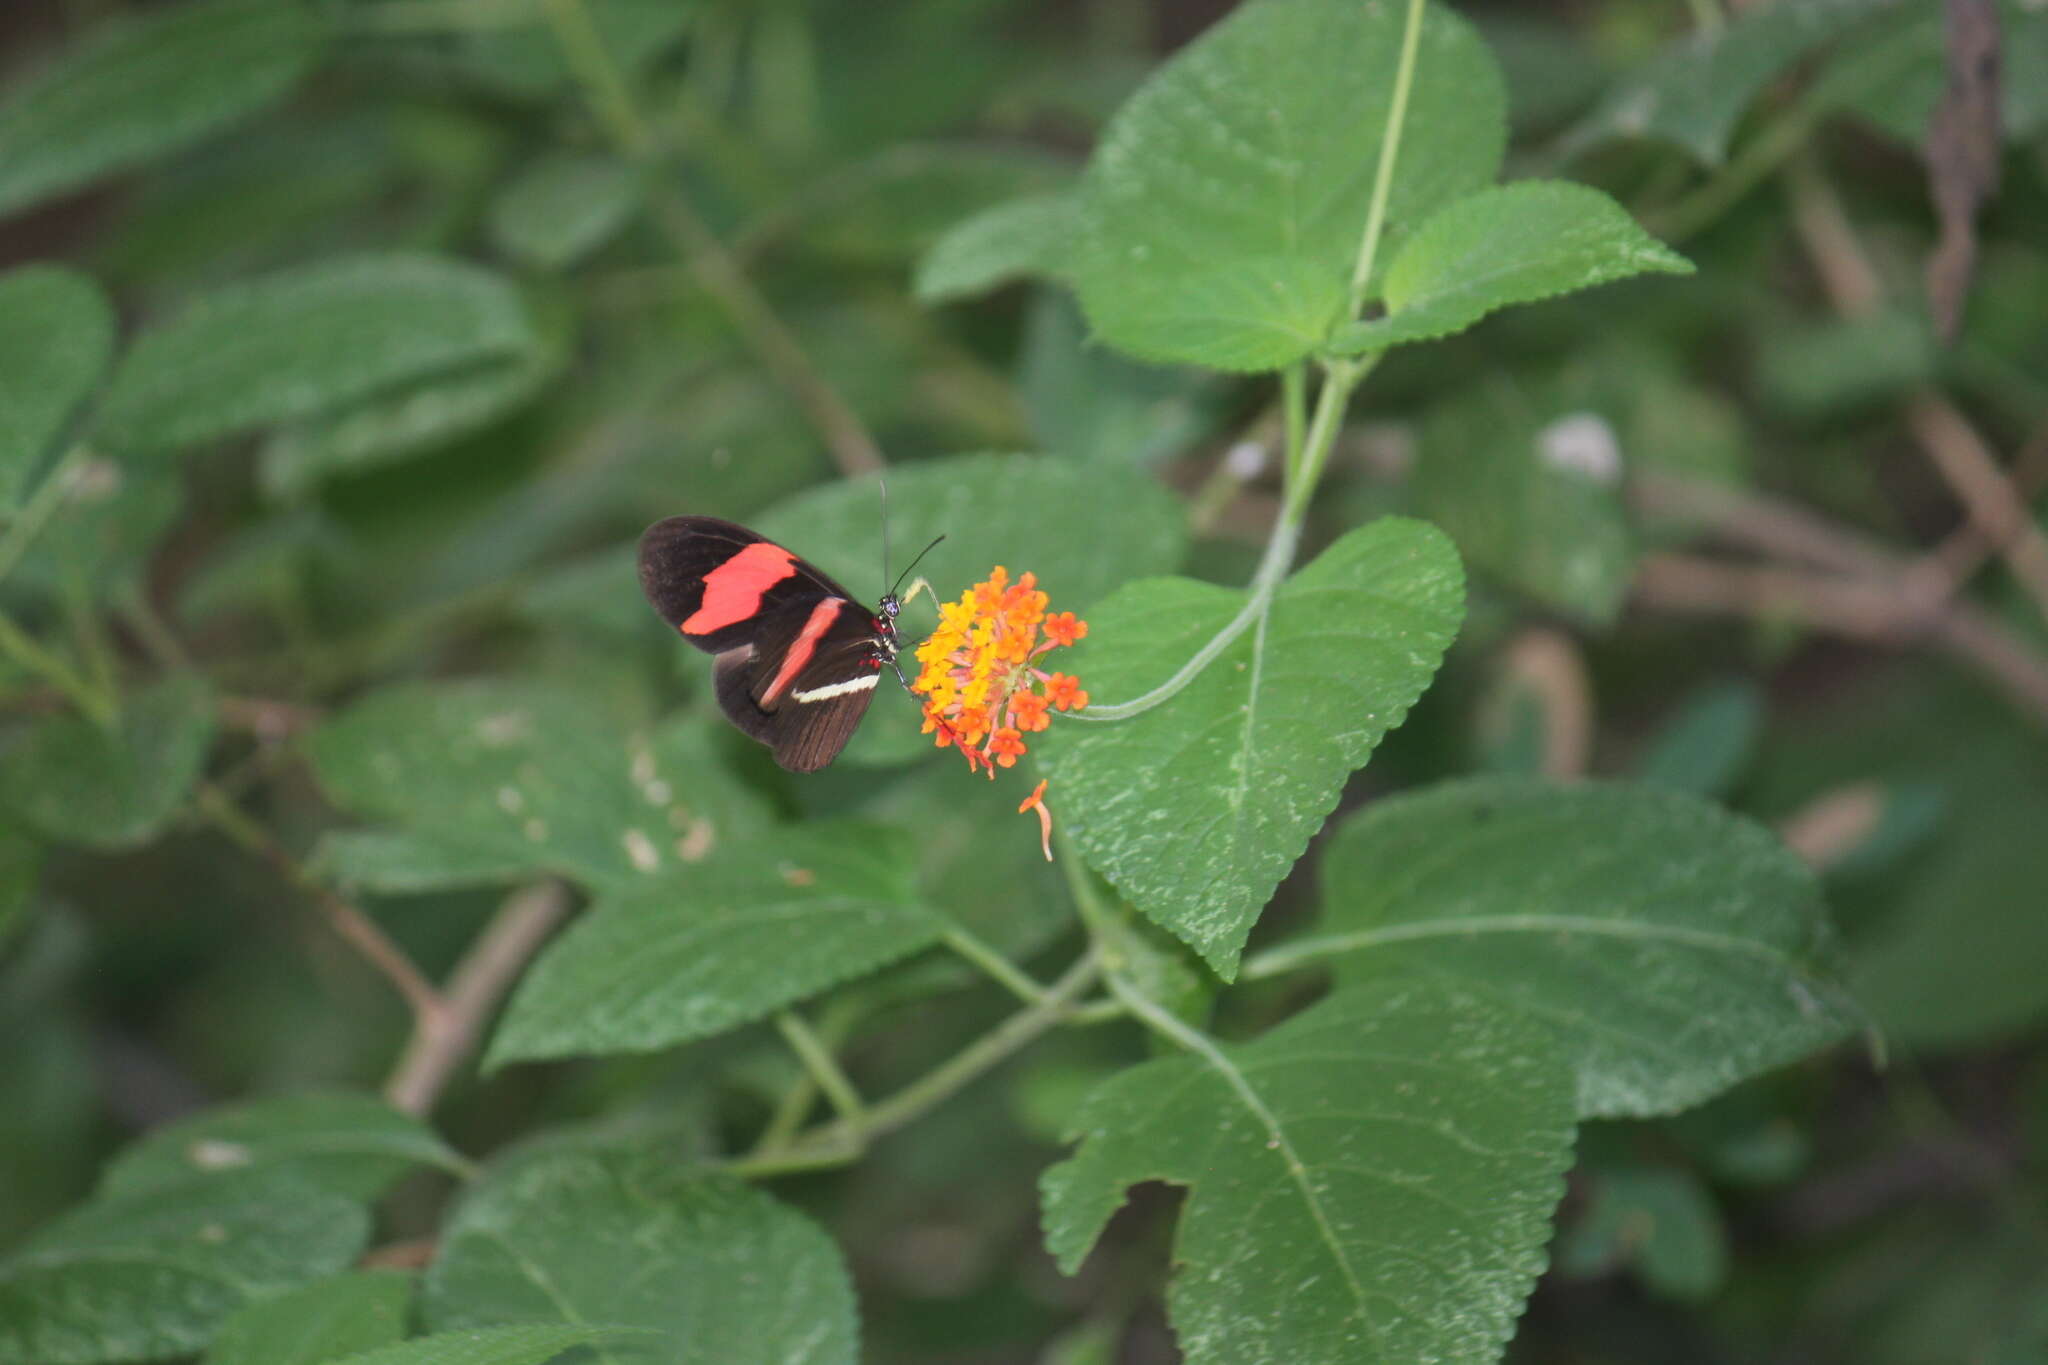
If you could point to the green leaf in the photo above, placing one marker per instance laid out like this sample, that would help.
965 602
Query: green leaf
355 1145
400 862
1197 808
761 926
504 774
56 335
415 418
1223 211
323 1321
1704 746
1695 90
142 88
527 1345
639 1238
306 341
1082 529
1895 74
1825 371
1505 245
563 207
1529 486
1005 242
1370 1181
1671 948
112 788
154 1274
1090 404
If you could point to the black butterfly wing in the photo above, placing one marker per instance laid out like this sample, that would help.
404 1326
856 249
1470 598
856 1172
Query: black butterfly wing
718 583
803 685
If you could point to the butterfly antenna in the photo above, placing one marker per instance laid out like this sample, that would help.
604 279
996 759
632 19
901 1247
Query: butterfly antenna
914 563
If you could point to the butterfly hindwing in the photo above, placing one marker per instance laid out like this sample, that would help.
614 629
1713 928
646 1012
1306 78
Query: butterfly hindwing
805 683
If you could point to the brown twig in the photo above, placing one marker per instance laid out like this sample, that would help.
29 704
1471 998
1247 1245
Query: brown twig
1547 663
1994 504
358 929
479 981
1834 824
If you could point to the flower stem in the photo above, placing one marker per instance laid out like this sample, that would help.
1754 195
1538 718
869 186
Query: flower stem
1018 983
1306 455
842 1141
40 507
818 1062
18 645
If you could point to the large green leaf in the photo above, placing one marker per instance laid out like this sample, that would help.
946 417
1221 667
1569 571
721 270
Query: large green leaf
114 788
56 334
1527 480
322 1321
1501 246
1223 211
515 774
529 1345
1669 947
1696 88
153 1274
396 862
639 1238
1371 1181
305 341
141 88
762 925
352 1144
1031 236
1197 808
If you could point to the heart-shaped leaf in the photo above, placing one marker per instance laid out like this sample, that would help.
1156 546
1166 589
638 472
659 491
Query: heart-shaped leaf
1222 213
326 1320
1501 246
1669 947
1197 808
1370 1181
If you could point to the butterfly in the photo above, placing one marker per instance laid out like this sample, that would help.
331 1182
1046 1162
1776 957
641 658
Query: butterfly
798 658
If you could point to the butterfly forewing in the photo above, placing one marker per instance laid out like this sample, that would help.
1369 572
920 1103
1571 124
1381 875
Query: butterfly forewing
715 580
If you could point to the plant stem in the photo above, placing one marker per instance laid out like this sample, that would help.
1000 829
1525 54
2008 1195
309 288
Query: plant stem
841 1141
1390 146
1341 377
853 448
819 1064
37 511
1018 983
358 929
18 645
486 972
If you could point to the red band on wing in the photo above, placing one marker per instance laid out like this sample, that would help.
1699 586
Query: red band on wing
733 591
803 647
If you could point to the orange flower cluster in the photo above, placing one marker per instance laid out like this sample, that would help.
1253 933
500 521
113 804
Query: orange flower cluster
982 688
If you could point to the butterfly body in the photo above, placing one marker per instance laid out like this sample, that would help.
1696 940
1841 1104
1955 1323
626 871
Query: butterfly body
798 659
